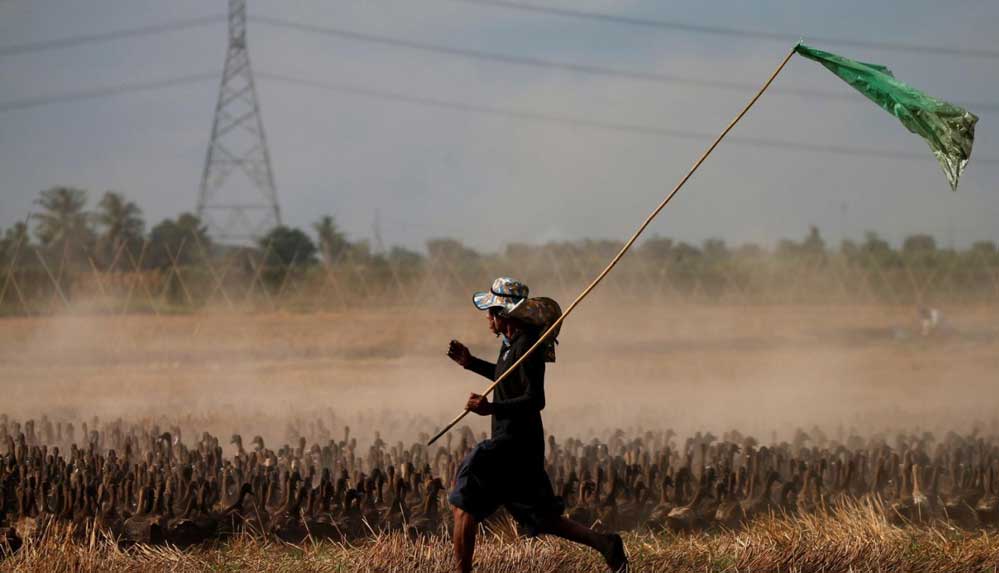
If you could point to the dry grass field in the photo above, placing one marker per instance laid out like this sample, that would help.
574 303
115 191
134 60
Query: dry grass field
764 370
855 539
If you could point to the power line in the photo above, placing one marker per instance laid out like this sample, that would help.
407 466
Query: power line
735 32
38 101
452 51
460 106
564 66
74 41
572 121
564 12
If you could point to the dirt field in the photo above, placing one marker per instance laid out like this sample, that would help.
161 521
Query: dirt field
763 370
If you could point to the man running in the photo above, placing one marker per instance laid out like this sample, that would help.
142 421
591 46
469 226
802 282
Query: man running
509 469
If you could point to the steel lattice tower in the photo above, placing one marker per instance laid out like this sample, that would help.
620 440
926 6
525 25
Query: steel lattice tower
238 198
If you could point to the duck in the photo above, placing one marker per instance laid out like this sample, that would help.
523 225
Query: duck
762 502
730 513
144 526
692 516
987 507
657 517
427 520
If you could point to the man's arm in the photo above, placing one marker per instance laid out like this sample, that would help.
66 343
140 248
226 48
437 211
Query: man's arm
481 367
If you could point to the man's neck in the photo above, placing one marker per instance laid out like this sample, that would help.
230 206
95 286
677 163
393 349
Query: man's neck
510 332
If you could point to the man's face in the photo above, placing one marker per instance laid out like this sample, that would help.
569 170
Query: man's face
494 321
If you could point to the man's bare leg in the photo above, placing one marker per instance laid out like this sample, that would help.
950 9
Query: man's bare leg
464 539
578 533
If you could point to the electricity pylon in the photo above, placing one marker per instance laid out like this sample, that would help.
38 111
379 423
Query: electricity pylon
238 199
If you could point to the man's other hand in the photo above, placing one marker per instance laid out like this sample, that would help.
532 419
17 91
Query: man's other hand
479 404
459 353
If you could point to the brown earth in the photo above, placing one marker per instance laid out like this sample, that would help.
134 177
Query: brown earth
763 370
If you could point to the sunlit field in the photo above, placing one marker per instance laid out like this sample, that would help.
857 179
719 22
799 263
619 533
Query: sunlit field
676 384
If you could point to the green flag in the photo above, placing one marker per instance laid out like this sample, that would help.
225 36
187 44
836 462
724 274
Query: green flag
948 129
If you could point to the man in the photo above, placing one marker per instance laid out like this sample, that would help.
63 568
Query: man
929 318
509 469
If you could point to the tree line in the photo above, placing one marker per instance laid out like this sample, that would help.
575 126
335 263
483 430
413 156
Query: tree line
65 237
64 227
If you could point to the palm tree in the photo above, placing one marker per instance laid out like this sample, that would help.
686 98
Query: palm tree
63 222
64 230
122 222
332 242
185 240
14 240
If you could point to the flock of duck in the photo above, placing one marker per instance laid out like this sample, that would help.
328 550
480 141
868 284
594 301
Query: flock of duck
142 483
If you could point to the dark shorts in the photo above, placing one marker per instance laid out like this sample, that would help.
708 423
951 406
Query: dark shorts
495 474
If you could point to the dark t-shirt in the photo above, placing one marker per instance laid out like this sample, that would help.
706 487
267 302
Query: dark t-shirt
520 397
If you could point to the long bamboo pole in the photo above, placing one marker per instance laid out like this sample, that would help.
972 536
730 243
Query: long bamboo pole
625 248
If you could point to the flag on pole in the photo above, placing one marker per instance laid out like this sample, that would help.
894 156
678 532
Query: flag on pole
947 128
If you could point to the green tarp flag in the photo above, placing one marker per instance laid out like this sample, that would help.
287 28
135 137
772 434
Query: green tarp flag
948 129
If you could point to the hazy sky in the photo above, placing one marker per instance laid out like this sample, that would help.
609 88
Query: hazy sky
488 180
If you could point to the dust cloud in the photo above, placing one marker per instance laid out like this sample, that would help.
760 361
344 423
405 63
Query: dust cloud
761 370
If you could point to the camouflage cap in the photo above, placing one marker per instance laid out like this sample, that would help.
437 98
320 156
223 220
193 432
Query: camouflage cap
506 293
